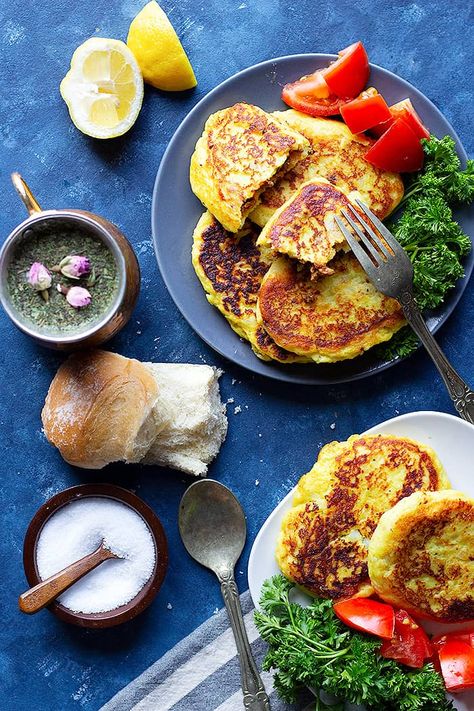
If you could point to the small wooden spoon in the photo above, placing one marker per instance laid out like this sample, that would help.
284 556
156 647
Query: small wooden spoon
48 590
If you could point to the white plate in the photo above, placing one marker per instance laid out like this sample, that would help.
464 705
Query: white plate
453 441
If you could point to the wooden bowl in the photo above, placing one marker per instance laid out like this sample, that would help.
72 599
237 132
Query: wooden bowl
124 613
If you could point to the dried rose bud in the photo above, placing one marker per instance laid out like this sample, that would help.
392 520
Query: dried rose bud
78 297
74 266
39 277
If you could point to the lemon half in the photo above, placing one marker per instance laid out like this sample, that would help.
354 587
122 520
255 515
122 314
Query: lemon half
159 52
103 88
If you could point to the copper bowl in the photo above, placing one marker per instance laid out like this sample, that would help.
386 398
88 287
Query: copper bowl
120 310
124 613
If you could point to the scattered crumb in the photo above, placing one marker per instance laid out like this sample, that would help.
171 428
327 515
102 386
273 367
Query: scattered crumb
234 381
259 434
241 572
139 333
333 425
397 412
169 606
230 400
237 410
156 339
257 482
246 407
216 610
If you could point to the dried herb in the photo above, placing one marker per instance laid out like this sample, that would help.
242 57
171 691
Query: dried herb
49 244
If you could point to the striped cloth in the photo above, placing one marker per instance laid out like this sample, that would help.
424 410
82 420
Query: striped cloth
201 673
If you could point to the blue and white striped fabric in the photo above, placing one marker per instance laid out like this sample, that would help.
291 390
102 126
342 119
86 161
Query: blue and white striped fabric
201 673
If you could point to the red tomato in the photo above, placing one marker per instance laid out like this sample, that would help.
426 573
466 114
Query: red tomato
461 636
318 94
398 150
410 644
364 112
457 665
312 85
347 76
310 104
367 616
404 110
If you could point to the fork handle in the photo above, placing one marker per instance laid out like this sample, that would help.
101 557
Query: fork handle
461 394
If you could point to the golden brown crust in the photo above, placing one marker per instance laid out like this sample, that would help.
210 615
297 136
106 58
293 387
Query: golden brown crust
421 556
325 536
339 157
304 228
96 406
332 318
231 267
240 152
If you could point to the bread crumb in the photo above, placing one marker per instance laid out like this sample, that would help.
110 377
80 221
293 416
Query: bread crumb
259 434
234 381
257 482
237 410
230 400
333 425
216 610
246 407
169 606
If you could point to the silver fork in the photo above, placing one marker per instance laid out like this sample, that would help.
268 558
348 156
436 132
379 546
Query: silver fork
390 270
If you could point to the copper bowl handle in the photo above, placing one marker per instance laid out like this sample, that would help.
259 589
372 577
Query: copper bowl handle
25 194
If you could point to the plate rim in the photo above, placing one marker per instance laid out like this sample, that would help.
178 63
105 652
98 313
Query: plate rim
276 372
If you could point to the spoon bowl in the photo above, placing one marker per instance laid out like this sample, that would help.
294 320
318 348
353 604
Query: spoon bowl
212 525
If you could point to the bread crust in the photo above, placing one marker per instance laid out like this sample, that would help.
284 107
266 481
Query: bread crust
96 406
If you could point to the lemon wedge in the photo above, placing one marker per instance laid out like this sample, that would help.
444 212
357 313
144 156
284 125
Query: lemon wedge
103 89
158 51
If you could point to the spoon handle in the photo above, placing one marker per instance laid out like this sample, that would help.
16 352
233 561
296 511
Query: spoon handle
48 590
255 697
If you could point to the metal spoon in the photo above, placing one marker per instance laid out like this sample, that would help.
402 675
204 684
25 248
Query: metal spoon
213 530
41 595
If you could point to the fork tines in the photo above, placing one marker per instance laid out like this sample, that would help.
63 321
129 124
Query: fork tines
374 247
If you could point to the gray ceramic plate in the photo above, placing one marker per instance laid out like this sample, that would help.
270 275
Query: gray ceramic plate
175 212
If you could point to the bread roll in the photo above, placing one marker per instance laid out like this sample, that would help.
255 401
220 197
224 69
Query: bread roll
99 409
103 408
197 425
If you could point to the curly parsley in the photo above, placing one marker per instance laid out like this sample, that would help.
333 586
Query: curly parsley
310 647
430 235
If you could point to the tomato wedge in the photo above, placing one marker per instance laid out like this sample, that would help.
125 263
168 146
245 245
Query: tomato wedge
410 644
325 91
457 665
309 104
404 110
367 616
365 111
398 150
461 636
347 76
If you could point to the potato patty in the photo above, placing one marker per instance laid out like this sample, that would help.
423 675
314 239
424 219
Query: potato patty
421 556
332 318
324 538
241 151
304 227
231 268
338 156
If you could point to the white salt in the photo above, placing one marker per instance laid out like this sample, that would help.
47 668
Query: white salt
78 529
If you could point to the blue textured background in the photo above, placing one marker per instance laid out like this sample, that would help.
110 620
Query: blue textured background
46 664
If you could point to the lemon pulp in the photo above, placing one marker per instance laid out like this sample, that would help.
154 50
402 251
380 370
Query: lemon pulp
103 88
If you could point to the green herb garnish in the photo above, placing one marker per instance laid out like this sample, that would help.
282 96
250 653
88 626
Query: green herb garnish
311 647
430 235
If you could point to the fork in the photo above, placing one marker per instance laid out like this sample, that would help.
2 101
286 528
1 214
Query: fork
391 272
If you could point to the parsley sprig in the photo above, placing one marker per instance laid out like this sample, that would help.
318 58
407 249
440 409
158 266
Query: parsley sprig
310 647
429 233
